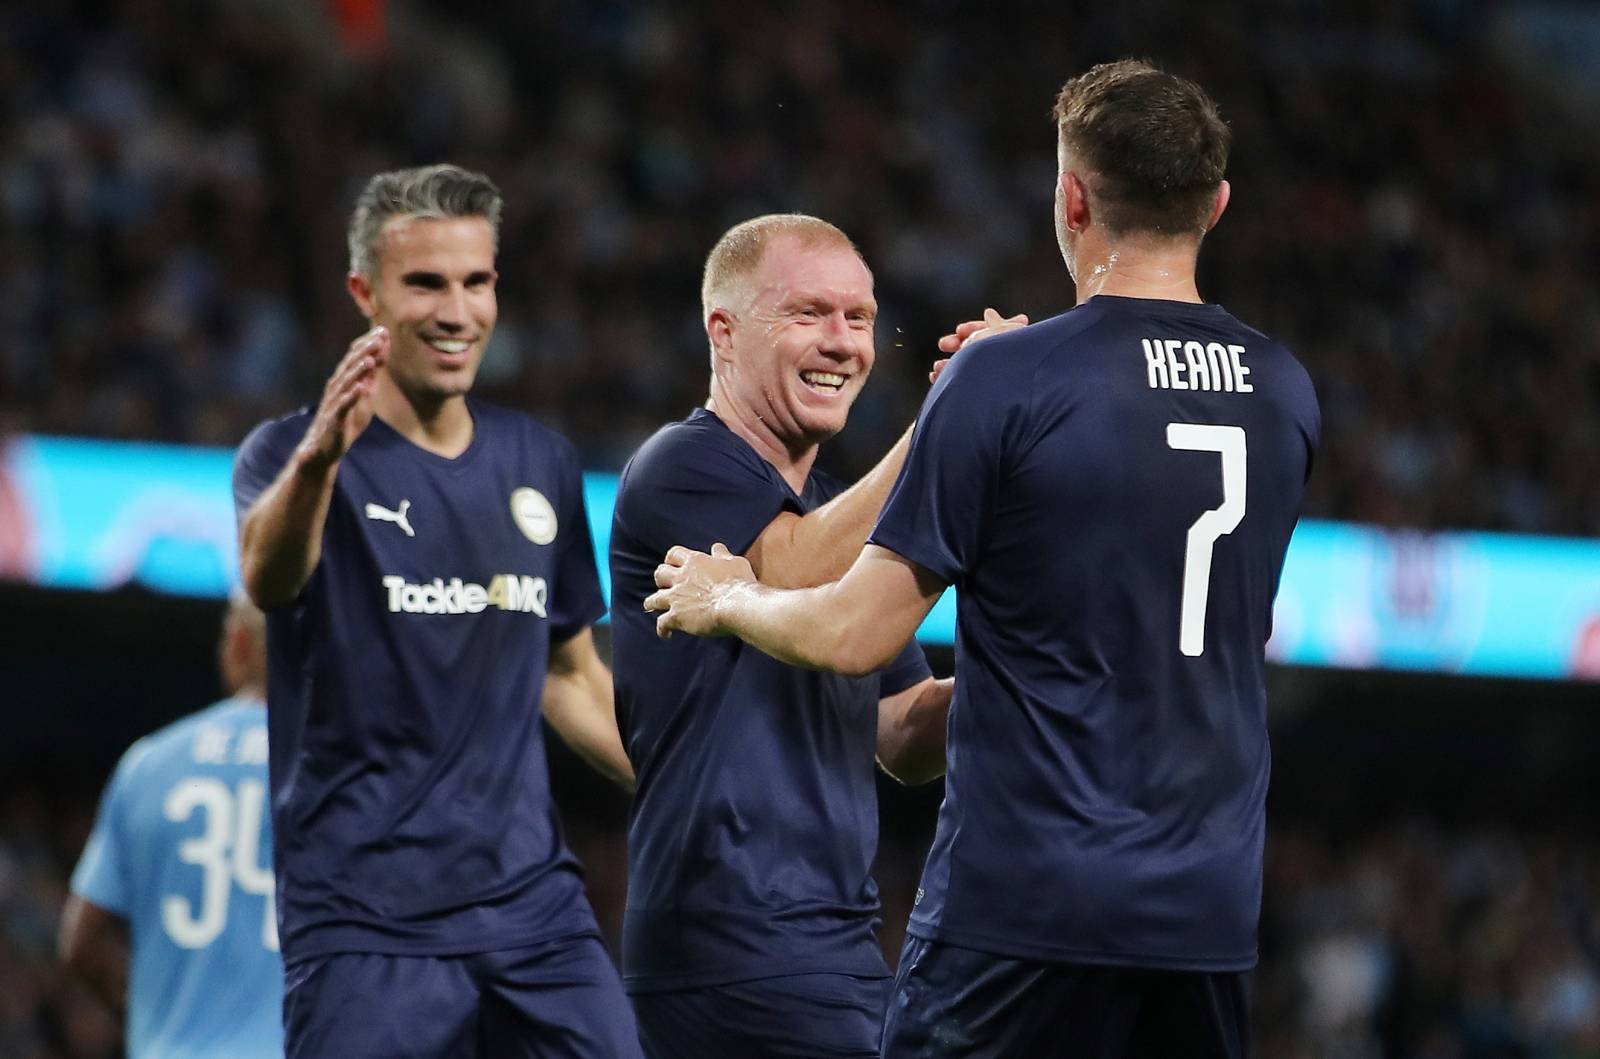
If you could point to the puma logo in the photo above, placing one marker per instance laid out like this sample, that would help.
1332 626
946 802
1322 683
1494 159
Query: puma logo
398 516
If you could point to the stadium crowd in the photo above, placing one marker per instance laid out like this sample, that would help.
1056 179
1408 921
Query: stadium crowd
173 183
173 176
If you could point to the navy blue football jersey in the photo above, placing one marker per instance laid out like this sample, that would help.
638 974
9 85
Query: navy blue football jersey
410 794
1111 492
755 822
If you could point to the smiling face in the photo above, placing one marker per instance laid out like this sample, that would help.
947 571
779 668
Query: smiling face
800 350
434 289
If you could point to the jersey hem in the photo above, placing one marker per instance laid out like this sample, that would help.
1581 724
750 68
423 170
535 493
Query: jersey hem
468 947
1066 954
651 983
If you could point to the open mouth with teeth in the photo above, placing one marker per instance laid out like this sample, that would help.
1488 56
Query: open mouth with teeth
454 349
828 382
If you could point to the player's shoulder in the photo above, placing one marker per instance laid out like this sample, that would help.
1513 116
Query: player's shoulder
687 445
497 419
1002 368
290 426
228 713
1292 372
700 429
498 424
173 744
1019 352
272 440
1261 342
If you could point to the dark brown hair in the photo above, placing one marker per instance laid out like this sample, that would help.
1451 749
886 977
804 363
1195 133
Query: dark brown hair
1153 144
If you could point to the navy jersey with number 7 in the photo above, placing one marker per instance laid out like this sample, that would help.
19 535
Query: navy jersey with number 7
1111 492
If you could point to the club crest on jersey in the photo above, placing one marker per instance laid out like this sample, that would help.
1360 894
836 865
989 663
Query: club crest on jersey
534 515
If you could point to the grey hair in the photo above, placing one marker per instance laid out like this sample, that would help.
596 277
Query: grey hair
434 192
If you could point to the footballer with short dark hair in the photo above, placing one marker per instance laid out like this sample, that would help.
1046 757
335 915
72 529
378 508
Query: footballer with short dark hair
1111 492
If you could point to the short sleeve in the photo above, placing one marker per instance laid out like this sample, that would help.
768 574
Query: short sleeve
576 601
261 456
939 511
103 876
909 668
684 488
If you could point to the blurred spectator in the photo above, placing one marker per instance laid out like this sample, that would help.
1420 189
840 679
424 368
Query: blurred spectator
1427 246
1424 230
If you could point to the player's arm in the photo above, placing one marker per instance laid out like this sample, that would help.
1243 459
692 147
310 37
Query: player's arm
579 706
280 537
93 944
799 551
911 726
852 626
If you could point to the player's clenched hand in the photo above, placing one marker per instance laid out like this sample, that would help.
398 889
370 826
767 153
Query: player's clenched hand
346 406
691 583
972 331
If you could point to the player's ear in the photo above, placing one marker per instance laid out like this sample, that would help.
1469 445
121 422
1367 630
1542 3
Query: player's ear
719 331
1075 201
360 287
1221 203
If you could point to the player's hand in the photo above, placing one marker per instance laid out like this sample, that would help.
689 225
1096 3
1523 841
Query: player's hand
972 331
346 406
690 584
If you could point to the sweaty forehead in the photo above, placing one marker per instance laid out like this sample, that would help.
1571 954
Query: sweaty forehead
436 244
792 268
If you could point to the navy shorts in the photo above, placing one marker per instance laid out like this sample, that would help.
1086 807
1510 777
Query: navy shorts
809 1015
950 1001
562 998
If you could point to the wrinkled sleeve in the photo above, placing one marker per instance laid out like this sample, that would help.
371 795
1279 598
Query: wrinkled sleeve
261 456
939 512
909 669
686 491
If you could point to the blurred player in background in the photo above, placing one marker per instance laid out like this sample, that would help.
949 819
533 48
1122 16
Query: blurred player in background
171 917
1112 491
429 580
751 902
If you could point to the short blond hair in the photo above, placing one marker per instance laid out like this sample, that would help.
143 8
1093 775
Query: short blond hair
737 254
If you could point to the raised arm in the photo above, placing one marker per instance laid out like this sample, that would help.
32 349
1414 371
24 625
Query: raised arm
852 626
280 537
578 704
796 551
799 551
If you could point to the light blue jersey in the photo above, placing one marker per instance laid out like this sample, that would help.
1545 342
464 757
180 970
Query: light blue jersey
182 850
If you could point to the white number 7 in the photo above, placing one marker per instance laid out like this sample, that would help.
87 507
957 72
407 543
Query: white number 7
1219 521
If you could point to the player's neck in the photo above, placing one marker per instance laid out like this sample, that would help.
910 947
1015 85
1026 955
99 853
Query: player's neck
1161 269
442 425
792 463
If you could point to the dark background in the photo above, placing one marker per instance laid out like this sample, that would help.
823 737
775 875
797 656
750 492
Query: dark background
1416 212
